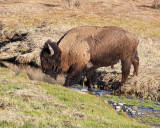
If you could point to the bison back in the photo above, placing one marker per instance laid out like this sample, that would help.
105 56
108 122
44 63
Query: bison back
104 45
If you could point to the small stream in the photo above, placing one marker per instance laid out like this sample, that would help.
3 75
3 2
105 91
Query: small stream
35 73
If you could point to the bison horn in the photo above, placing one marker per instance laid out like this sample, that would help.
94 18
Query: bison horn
51 50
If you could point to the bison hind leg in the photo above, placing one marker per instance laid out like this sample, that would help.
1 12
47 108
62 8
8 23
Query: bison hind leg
75 70
91 78
135 65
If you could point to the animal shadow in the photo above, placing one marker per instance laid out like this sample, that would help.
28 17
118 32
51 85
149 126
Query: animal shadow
109 84
147 6
51 5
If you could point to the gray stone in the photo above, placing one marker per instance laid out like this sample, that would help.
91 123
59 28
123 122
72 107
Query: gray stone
129 109
118 108
120 104
157 103
138 113
124 108
133 112
114 104
141 101
134 108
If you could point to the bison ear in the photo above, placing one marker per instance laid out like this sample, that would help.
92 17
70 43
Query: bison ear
51 50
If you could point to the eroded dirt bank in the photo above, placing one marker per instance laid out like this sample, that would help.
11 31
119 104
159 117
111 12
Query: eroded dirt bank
24 46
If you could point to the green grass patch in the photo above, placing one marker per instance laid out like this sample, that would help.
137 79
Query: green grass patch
152 120
31 104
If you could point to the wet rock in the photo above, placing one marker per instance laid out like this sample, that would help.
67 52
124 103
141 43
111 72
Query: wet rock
151 108
124 108
141 101
138 113
132 112
129 97
128 110
114 104
134 108
120 104
118 108
84 90
157 103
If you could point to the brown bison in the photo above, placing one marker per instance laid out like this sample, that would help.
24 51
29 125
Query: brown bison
87 48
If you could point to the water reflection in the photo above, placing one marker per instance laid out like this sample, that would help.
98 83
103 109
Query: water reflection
97 92
34 73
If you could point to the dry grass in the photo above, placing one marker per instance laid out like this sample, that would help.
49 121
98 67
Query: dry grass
137 16
69 4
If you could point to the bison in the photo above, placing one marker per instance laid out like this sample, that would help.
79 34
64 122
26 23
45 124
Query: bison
87 48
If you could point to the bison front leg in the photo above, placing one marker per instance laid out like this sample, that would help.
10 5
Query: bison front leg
73 71
89 84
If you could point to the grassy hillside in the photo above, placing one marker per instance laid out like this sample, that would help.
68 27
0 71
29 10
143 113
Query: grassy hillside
31 104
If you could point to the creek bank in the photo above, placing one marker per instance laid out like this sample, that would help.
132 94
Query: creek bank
145 115
144 111
24 45
136 108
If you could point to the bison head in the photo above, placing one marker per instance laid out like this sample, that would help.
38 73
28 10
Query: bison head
50 59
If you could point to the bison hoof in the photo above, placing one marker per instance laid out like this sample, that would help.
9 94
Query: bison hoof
90 89
65 86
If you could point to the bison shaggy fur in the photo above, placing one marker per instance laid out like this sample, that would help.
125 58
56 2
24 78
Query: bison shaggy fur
87 48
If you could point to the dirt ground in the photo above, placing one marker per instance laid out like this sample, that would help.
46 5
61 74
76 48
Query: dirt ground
25 25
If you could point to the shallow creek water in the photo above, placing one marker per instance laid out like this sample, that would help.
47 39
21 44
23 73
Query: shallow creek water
35 73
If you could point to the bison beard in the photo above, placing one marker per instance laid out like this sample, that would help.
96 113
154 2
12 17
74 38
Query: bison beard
84 49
